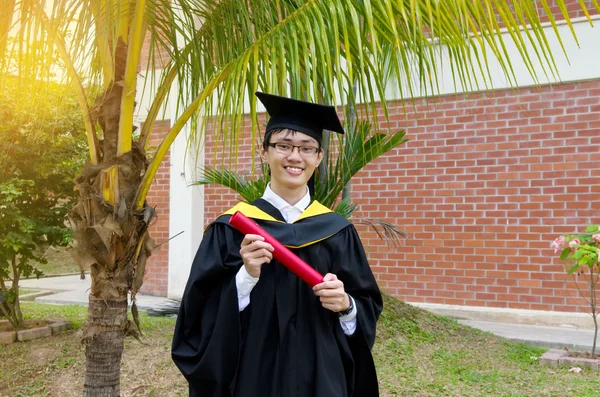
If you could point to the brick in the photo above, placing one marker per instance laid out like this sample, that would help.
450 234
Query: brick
576 361
33 333
156 275
6 338
552 357
59 326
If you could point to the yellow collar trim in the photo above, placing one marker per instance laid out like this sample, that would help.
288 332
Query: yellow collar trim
251 212
314 209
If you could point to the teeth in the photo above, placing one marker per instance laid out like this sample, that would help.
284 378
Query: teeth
294 169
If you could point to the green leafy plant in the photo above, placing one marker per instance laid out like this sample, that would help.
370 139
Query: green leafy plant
346 157
581 253
41 150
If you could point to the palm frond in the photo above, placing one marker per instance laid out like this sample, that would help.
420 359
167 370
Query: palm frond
408 41
384 230
358 148
345 208
249 188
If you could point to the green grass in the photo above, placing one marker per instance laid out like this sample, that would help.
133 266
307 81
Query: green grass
420 354
417 354
23 292
59 262
76 314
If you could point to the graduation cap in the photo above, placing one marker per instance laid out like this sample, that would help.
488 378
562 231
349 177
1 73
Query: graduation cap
306 117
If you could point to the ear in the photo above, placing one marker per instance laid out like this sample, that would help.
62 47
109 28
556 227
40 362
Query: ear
263 155
320 157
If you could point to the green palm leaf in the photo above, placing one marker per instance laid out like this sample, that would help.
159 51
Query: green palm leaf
248 188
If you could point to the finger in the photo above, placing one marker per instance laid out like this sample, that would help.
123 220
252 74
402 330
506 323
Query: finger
261 244
258 261
250 238
260 256
337 284
328 285
260 253
330 292
257 246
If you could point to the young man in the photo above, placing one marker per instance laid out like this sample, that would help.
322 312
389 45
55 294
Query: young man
247 326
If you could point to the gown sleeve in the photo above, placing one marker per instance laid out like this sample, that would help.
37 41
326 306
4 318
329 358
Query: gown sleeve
353 269
207 336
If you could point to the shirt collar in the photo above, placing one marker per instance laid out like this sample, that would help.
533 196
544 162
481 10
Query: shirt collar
279 203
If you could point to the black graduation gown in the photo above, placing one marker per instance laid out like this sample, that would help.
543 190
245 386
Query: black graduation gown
284 344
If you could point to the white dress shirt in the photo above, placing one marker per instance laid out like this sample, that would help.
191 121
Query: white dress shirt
245 282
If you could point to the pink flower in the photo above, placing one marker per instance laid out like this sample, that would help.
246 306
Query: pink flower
596 238
574 242
558 244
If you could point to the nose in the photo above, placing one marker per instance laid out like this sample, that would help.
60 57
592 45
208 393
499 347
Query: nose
295 153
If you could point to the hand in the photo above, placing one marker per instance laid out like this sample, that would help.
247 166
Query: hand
254 252
332 293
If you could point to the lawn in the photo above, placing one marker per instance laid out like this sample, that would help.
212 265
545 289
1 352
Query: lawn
417 354
59 261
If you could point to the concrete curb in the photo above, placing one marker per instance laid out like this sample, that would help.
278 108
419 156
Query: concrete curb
572 338
53 327
555 357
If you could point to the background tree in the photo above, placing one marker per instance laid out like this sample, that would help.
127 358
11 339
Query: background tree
220 53
41 151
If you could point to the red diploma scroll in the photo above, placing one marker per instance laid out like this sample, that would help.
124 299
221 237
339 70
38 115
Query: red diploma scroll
286 257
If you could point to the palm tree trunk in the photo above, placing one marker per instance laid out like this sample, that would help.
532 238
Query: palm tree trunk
111 239
107 320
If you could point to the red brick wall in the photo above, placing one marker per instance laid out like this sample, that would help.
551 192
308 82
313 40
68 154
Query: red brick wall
485 184
424 200
573 8
160 57
157 267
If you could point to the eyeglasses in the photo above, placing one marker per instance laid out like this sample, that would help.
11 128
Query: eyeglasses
287 149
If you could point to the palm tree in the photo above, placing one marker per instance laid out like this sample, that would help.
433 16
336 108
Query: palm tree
215 54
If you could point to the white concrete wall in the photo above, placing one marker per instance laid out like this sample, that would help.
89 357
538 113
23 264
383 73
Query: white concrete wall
186 203
186 214
583 63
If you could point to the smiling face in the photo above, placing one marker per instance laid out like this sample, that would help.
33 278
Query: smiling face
290 171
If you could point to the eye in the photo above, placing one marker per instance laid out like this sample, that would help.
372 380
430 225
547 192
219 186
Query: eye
283 146
307 149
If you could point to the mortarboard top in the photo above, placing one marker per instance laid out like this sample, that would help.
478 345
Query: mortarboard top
306 117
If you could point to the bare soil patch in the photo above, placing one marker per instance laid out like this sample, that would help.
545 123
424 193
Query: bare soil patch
55 366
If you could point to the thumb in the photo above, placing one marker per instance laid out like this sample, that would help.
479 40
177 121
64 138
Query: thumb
330 277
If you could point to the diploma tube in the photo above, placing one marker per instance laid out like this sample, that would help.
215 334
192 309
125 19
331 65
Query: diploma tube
280 252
